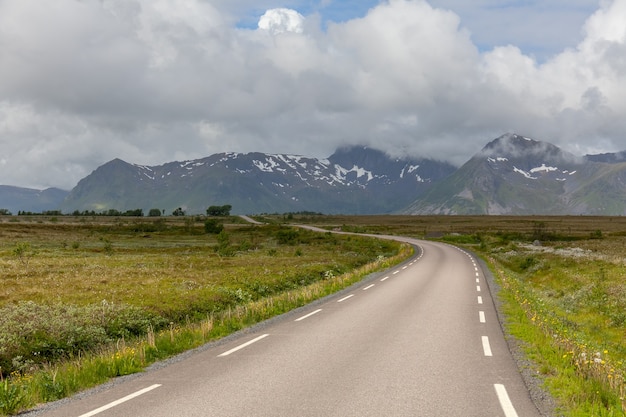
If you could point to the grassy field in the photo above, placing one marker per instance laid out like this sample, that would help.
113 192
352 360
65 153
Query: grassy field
172 271
155 287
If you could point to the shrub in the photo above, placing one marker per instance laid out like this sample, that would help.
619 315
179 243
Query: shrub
527 263
287 236
23 252
32 334
213 226
154 212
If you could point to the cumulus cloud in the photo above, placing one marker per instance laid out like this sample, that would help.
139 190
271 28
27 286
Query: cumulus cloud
151 81
282 20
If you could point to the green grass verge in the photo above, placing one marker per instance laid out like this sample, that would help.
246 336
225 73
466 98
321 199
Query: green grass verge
568 319
582 379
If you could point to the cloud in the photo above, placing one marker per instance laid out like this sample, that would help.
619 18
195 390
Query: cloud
539 28
151 81
278 21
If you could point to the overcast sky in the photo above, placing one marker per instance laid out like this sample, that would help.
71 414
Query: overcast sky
153 81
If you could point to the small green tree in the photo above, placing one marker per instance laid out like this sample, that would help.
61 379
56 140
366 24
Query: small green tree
23 252
223 247
213 226
178 212
221 211
155 212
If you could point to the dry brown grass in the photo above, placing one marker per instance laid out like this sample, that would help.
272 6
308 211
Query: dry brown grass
165 265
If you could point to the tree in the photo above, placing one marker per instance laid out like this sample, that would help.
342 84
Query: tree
178 212
5 212
155 212
213 226
219 210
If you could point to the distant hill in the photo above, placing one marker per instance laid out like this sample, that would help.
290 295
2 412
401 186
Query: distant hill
610 158
17 199
517 175
354 180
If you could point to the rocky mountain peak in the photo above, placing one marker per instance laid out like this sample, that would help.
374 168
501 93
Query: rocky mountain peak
512 146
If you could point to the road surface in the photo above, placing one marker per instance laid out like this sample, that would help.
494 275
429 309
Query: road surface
421 339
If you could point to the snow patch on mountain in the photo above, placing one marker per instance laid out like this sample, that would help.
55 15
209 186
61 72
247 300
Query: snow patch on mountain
544 168
409 170
267 166
497 159
361 172
524 173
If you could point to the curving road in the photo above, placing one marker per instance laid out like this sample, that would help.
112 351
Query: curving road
421 339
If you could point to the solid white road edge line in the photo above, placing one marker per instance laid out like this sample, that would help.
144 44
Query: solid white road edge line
233 350
345 298
505 401
486 346
308 315
120 401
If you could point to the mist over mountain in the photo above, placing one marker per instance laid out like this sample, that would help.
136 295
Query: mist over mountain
15 199
517 175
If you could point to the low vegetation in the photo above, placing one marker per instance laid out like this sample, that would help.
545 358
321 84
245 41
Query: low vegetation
86 299
567 300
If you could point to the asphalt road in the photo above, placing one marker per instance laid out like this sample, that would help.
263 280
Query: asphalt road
421 339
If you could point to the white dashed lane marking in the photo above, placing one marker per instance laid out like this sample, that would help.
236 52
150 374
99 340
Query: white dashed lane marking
120 401
505 401
308 315
503 397
486 346
248 343
345 298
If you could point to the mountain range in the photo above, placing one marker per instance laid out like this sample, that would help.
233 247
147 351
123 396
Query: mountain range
512 174
353 180
15 199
